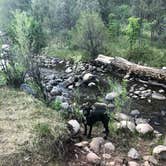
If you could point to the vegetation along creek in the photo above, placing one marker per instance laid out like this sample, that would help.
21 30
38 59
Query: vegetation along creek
82 83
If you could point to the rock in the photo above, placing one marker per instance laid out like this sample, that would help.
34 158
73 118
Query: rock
74 126
127 125
150 159
56 91
68 70
87 77
122 116
93 158
61 99
65 106
111 96
98 105
109 147
161 91
146 163
82 144
96 143
144 128
141 120
164 68
5 47
106 156
91 84
160 152
133 163
135 113
158 96
26 88
133 154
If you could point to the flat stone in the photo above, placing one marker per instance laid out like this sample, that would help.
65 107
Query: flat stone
158 96
82 144
133 163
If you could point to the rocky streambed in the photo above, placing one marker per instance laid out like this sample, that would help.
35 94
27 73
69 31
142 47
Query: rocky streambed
89 82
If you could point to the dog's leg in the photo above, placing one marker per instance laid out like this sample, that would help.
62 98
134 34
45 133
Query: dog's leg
90 131
85 131
105 124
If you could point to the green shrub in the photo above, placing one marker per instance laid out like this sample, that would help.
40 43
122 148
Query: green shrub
90 34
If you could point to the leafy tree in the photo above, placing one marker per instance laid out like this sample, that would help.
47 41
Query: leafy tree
114 26
133 31
90 34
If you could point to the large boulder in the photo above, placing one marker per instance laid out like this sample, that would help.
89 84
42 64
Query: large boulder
133 154
160 152
93 158
144 128
96 143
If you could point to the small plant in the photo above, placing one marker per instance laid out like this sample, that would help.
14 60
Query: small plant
56 105
42 129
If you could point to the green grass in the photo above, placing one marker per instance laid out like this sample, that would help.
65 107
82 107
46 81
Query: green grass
25 120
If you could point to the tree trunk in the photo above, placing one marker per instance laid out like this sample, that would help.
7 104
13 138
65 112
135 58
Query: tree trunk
147 73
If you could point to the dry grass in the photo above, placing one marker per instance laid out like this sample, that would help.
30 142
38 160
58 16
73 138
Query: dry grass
19 116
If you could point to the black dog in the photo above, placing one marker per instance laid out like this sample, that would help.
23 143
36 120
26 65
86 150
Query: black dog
94 114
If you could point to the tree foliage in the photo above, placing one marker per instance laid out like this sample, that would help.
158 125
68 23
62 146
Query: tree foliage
90 34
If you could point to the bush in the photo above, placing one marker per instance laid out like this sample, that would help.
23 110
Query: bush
90 34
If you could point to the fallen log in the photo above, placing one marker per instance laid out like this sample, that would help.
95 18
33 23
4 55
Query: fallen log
130 68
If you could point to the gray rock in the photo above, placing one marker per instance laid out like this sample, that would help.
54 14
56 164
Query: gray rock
26 88
96 143
126 125
158 96
68 70
150 159
93 158
135 113
109 147
82 144
56 91
74 125
141 120
133 154
65 106
91 84
87 77
122 116
160 152
144 128
133 163
111 96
